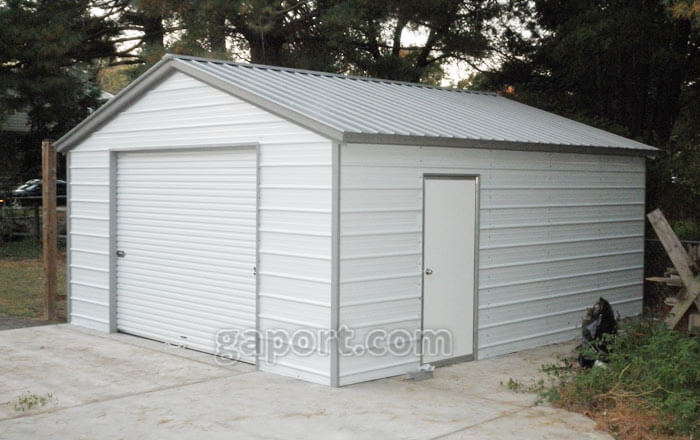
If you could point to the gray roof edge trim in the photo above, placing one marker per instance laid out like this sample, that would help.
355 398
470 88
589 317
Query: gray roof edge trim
291 115
432 141
107 111
639 145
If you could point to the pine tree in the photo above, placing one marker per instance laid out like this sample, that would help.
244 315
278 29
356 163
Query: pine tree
46 52
627 66
351 36
371 35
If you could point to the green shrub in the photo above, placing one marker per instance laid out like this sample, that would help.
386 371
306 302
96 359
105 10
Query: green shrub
649 362
687 229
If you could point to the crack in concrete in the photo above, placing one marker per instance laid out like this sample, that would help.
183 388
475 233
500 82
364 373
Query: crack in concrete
483 422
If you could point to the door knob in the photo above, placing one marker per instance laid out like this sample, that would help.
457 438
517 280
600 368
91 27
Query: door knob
428 271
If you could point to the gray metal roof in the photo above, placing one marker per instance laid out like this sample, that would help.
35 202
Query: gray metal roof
356 109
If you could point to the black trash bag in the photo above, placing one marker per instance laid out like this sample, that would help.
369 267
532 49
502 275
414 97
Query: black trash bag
599 321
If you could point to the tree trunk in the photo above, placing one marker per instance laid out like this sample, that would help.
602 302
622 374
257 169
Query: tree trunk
217 34
266 48
154 32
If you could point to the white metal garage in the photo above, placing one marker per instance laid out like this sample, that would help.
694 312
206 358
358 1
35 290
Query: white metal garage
210 196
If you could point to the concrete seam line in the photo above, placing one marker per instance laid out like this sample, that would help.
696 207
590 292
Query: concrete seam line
185 357
483 422
124 396
501 402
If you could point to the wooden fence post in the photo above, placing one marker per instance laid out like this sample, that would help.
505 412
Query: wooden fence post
49 226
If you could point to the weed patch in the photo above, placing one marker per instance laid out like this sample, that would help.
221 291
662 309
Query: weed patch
517 386
28 401
649 389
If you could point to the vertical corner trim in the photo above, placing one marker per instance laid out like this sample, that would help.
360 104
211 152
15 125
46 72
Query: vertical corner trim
68 230
112 241
257 258
335 265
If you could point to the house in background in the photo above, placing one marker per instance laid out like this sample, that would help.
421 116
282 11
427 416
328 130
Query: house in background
18 122
211 195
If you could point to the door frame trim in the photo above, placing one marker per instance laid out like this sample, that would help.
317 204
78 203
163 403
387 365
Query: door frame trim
477 215
113 161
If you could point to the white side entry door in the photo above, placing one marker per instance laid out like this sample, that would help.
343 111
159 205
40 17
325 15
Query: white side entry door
449 255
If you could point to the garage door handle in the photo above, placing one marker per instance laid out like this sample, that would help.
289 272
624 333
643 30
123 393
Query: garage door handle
428 271
121 254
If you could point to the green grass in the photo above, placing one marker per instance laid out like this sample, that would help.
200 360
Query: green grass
20 250
21 279
687 229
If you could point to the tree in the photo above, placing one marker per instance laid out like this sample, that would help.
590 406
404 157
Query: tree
351 36
372 36
618 62
627 66
278 32
46 52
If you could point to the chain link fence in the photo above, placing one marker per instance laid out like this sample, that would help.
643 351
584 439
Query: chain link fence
23 220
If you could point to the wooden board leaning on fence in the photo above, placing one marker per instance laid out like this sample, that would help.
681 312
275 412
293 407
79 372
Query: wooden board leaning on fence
685 264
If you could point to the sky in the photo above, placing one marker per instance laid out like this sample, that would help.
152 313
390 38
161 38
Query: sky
455 71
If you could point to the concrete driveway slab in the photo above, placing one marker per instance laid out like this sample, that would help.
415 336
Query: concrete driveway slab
119 386
78 367
272 407
540 423
486 378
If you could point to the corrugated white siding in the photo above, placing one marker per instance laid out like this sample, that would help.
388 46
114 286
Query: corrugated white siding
294 218
556 232
89 239
294 282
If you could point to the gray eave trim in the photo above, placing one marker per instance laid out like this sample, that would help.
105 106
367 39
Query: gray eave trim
432 141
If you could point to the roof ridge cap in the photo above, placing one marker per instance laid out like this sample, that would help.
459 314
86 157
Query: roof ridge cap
327 74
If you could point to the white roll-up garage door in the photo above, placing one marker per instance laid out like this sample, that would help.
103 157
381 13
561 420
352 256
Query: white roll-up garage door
186 232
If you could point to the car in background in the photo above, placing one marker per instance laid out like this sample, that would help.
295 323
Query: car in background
29 193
